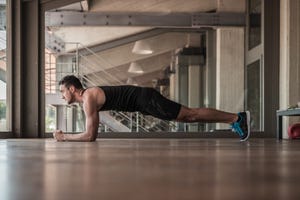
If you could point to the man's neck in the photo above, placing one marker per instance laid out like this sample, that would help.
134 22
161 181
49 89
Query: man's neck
81 92
79 95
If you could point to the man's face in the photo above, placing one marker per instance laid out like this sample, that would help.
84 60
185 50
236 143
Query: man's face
67 93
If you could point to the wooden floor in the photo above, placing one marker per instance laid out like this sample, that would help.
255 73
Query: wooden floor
138 169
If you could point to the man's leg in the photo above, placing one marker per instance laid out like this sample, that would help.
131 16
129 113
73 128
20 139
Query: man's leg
240 123
208 115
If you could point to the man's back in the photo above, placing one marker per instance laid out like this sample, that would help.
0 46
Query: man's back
123 98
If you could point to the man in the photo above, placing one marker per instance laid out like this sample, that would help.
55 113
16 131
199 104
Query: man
145 100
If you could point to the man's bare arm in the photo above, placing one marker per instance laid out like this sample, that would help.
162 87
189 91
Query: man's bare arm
92 124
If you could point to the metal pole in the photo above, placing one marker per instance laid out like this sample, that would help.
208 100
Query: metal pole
137 122
77 60
131 124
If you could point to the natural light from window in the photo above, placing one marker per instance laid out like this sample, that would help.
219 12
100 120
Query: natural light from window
3 90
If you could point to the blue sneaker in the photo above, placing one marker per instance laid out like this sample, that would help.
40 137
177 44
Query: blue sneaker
242 127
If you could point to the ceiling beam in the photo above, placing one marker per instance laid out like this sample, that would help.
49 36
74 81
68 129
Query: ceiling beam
181 20
53 43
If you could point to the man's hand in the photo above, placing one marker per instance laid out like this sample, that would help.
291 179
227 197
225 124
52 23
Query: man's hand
59 136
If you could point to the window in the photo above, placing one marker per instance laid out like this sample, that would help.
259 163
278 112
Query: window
3 67
50 118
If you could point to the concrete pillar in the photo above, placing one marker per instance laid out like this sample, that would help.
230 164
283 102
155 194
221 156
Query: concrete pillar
27 70
194 86
209 99
183 84
210 70
289 58
194 89
173 79
183 90
230 70
172 87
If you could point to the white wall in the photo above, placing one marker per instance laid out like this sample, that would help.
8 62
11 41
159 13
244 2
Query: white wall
230 69
289 58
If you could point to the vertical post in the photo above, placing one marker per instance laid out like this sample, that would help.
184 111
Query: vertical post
77 61
27 72
279 126
137 121
271 34
131 122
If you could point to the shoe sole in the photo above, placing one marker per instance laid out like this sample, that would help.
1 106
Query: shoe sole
248 125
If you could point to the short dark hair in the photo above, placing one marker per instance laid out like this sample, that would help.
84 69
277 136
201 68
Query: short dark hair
69 80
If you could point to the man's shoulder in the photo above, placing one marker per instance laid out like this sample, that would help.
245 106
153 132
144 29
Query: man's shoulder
93 94
91 91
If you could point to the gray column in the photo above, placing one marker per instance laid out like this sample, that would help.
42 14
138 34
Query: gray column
194 76
210 74
183 84
173 87
230 70
27 84
183 90
194 90
271 64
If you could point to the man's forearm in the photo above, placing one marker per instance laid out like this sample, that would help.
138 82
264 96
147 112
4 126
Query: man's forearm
80 137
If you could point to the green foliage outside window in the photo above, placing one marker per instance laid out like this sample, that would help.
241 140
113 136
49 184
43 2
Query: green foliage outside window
2 110
50 119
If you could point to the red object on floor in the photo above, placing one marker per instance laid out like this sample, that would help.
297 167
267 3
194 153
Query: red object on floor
294 131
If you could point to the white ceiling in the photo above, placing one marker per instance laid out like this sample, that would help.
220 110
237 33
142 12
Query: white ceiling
90 36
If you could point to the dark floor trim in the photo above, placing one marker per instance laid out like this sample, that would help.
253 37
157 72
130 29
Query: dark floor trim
173 135
5 135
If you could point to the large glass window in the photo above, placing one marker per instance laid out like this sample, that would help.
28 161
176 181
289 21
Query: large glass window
3 67
254 23
50 118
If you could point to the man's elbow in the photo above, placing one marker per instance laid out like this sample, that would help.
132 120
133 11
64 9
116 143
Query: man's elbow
91 138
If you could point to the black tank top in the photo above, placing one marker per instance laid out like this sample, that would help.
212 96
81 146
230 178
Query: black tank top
124 98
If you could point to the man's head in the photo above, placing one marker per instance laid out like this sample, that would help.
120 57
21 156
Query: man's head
68 85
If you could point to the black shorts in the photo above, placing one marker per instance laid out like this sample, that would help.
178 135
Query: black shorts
158 106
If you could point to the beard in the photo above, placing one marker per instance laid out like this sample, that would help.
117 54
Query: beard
72 100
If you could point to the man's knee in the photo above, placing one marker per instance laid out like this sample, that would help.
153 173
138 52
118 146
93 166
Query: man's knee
185 115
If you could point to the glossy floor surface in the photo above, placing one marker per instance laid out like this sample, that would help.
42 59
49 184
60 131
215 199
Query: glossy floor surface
139 169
